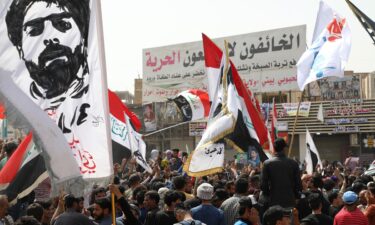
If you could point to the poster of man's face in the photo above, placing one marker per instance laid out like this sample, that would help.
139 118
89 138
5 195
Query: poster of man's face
51 39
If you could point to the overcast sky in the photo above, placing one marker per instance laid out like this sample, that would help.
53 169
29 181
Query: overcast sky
130 26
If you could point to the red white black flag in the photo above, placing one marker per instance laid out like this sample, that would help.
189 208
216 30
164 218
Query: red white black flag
194 104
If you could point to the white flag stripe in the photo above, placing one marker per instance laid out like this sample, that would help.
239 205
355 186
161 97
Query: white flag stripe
137 146
311 148
320 115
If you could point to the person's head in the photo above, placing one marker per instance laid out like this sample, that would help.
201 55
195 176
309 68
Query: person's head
70 202
80 204
168 154
97 193
9 148
27 220
102 208
205 192
230 188
246 209
51 37
253 154
315 202
350 199
35 210
241 186
180 211
276 215
280 145
317 181
134 180
179 183
48 210
335 198
220 196
151 200
172 198
175 152
371 187
4 205
255 181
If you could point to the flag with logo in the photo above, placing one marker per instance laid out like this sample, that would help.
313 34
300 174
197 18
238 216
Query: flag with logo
228 124
194 104
137 146
120 140
329 53
312 157
23 172
53 53
365 21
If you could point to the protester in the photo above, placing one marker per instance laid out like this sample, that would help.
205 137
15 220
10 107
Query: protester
166 216
276 215
281 179
350 214
151 202
206 212
316 205
248 214
183 216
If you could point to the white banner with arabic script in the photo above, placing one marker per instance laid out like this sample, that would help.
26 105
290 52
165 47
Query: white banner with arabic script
52 52
265 60
291 109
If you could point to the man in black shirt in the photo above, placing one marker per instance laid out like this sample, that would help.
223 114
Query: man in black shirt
315 203
151 202
166 216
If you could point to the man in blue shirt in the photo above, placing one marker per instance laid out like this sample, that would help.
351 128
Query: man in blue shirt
206 212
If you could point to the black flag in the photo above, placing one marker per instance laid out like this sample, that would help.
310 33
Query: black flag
366 22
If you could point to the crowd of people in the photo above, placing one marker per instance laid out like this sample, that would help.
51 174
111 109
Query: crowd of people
277 192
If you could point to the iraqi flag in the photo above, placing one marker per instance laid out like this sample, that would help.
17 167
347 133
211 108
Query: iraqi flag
23 172
329 52
194 104
228 124
312 157
120 141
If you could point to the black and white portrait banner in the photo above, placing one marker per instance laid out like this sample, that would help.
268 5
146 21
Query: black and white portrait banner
52 51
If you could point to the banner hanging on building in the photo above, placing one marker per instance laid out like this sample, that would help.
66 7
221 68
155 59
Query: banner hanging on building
265 60
291 109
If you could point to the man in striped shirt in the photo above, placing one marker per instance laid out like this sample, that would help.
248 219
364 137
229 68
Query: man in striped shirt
350 214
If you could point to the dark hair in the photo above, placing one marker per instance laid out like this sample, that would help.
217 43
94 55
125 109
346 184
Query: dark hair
280 144
80 11
27 220
104 203
137 190
314 201
244 203
69 201
273 214
242 185
332 196
153 195
175 150
317 180
179 182
328 184
140 196
228 184
133 179
170 197
45 204
35 210
10 147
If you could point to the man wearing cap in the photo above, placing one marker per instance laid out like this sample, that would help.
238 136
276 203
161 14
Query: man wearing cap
350 214
206 212
280 178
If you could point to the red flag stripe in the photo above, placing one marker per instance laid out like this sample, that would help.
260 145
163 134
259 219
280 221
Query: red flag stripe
117 109
9 171
211 60
204 98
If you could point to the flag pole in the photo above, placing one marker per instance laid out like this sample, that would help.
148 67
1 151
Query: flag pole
166 128
113 209
295 122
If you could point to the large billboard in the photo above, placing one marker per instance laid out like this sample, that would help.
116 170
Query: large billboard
266 61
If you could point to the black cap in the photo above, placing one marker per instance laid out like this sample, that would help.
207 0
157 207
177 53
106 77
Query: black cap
280 144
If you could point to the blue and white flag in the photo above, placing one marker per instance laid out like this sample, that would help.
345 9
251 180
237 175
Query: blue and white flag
329 52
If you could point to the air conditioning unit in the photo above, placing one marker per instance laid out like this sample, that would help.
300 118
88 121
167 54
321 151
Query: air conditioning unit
353 139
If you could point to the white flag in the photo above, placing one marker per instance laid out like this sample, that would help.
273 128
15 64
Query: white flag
52 51
137 146
320 115
312 157
329 53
